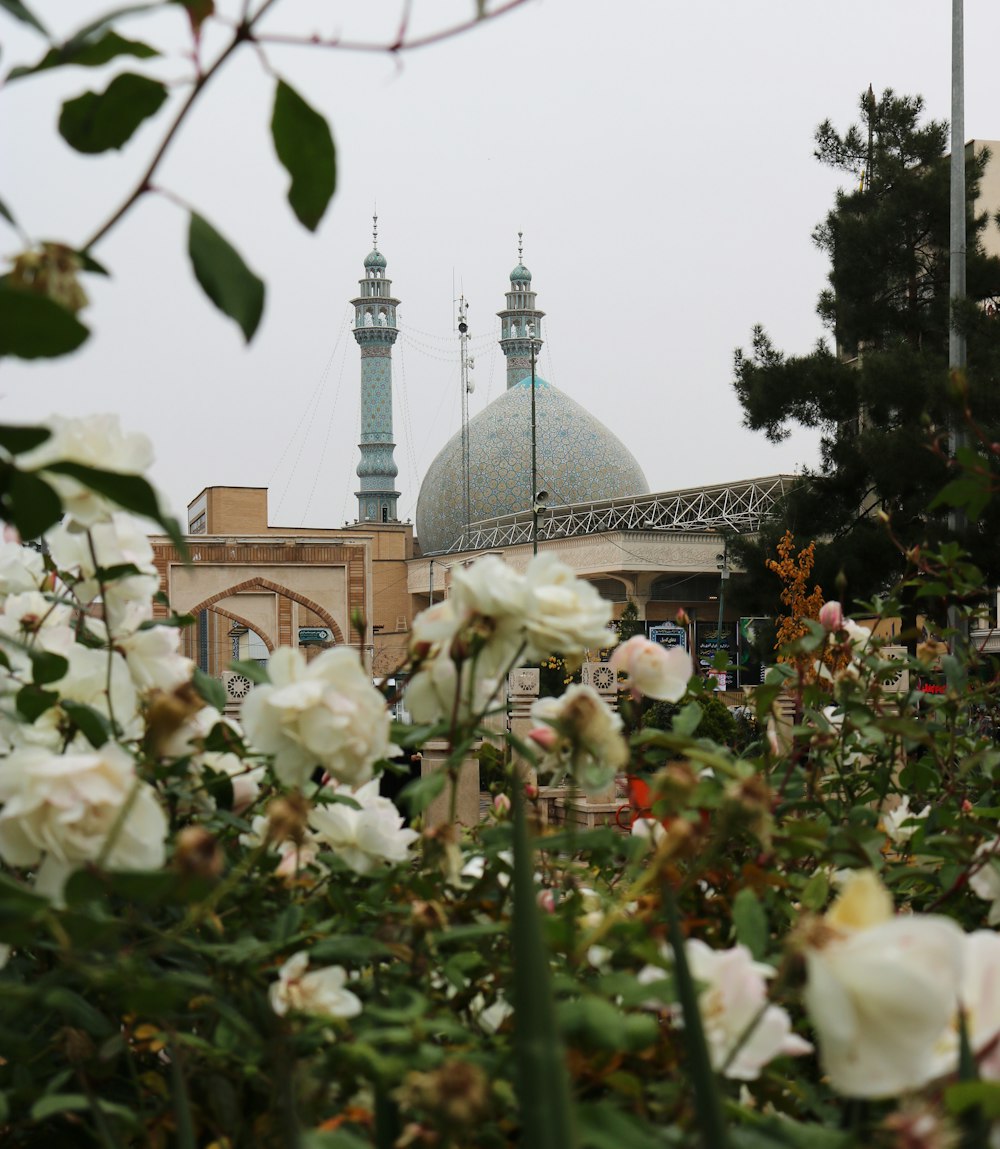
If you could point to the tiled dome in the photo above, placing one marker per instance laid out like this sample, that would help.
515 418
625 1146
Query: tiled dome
578 460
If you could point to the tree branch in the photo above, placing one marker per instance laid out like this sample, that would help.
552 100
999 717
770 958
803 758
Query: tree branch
400 44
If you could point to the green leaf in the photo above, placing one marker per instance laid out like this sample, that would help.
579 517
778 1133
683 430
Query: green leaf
91 723
131 492
542 1081
46 667
7 214
58 1103
198 11
965 1095
224 277
305 148
33 326
707 1102
211 689
32 702
750 922
686 720
99 121
20 12
17 439
87 52
29 503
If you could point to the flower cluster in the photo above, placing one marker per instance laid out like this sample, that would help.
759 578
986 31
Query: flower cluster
494 620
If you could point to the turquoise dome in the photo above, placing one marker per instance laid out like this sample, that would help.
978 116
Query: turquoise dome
520 274
579 461
375 259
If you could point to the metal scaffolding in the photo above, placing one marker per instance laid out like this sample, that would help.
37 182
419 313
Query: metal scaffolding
740 507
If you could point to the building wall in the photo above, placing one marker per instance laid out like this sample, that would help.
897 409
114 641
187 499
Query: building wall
989 193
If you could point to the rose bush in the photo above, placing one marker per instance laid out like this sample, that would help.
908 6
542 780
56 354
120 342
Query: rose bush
223 917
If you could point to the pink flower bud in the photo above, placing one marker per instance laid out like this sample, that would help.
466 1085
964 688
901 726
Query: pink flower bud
831 616
530 791
501 804
546 901
543 736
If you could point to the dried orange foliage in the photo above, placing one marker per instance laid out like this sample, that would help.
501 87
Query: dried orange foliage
794 571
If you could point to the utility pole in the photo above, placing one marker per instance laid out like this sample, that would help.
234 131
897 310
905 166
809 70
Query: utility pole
534 449
957 353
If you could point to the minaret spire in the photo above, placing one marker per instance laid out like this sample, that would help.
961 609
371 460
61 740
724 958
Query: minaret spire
520 321
375 331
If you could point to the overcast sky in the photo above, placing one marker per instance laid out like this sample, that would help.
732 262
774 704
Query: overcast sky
656 155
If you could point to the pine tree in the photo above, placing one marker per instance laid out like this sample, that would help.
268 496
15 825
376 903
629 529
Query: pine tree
882 394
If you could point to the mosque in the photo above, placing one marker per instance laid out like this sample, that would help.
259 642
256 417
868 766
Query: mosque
532 471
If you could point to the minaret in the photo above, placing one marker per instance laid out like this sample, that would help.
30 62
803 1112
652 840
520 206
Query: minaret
520 312
375 330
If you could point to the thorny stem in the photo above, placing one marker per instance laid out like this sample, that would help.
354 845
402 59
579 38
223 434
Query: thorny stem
244 33
400 44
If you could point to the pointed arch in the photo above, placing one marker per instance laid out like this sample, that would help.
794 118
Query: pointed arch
275 588
253 627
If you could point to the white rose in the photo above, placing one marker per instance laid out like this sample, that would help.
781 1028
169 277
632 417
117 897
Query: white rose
588 742
430 693
880 990
732 994
108 689
21 568
320 993
489 587
893 822
119 541
563 614
367 837
653 670
985 881
35 620
323 713
59 809
154 659
96 441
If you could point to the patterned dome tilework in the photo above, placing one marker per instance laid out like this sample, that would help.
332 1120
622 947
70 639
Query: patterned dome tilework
579 460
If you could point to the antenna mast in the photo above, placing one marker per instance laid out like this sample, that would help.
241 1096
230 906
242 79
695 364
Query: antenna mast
467 364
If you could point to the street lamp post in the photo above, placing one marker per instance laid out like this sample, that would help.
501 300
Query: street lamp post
723 564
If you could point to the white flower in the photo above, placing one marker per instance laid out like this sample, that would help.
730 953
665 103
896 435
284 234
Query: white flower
21 568
320 993
323 713
563 614
430 693
650 829
590 744
857 635
154 658
732 993
893 822
490 588
100 678
880 990
363 838
32 619
96 441
59 809
653 670
980 999
120 541
985 881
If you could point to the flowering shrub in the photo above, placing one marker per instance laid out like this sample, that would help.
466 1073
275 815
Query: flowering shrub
218 933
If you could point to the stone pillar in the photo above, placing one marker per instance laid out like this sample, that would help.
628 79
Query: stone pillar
604 680
522 690
435 755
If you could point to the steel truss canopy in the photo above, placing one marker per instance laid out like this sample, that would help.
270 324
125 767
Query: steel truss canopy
739 507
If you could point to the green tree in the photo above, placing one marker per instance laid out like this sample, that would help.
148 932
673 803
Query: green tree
882 396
